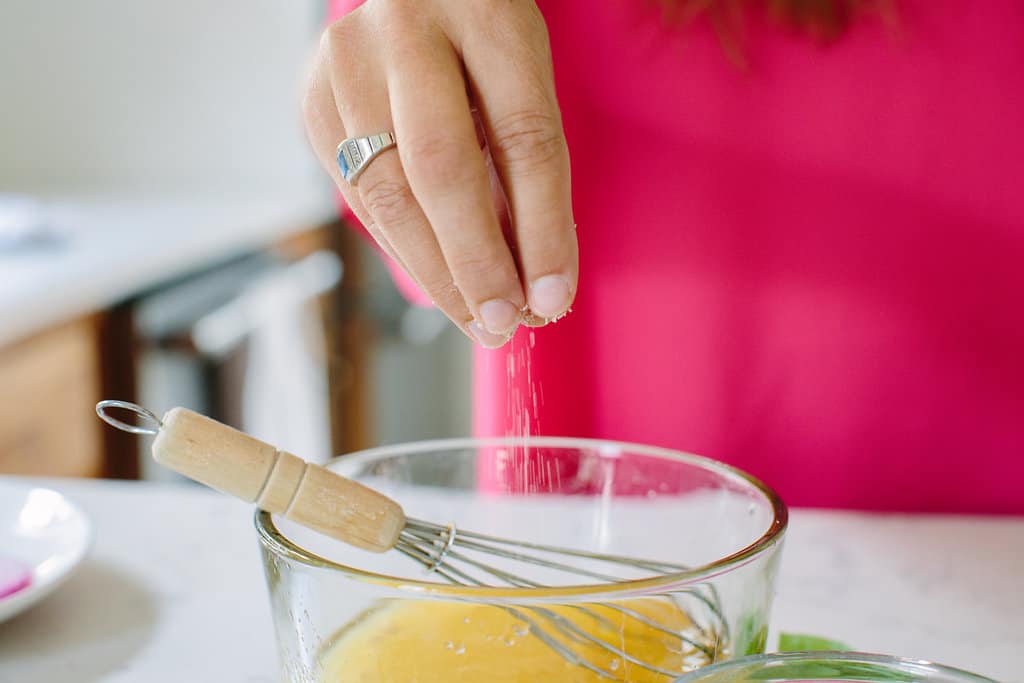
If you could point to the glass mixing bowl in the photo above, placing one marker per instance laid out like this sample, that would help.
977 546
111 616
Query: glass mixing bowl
342 614
829 666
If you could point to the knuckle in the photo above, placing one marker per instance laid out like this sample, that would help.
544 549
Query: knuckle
440 158
528 140
388 200
511 22
337 35
341 41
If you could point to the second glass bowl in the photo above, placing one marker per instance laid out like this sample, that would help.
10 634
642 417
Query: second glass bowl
830 667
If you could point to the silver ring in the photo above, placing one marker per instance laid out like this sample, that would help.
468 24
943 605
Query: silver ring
355 154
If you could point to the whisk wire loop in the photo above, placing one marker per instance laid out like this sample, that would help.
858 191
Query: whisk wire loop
445 552
103 406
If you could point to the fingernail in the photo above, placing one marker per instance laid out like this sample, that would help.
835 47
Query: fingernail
549 296
486 339
499 316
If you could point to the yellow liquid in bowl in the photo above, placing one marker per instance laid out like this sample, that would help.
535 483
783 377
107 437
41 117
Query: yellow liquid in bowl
449 642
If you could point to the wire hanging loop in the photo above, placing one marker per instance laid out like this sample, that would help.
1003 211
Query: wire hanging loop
103 406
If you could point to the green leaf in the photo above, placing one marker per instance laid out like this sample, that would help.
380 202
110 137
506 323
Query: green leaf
752 636
799 642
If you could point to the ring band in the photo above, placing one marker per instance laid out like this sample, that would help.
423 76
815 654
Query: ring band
355 154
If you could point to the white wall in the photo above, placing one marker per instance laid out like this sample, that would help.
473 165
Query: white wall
175 95
192 96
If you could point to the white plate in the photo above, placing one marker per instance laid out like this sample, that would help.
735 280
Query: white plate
44 530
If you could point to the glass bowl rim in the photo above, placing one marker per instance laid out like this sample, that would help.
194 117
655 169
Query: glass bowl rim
277 543
894 663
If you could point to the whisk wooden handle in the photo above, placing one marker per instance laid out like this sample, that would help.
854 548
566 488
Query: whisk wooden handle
240 465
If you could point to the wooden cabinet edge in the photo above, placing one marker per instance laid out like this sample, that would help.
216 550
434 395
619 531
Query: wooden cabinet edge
49 383
58 412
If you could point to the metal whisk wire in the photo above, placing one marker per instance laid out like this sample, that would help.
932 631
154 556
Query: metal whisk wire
344 509
437 548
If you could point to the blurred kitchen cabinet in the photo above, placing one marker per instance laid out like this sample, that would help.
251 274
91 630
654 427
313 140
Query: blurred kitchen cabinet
49 385
274 342
51 379
348 330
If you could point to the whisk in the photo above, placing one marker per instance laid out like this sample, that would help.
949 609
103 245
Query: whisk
281 483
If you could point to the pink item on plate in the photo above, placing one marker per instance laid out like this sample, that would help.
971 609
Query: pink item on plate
14 576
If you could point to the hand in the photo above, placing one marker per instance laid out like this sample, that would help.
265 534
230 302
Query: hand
467 88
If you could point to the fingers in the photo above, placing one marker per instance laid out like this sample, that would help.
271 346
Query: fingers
510 74
431 204
323 125
325 131
448 176
391 210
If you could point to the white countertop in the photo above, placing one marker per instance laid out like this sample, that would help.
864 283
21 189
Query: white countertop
173 591
115 248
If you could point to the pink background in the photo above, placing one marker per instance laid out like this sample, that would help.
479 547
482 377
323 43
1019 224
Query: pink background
812 269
